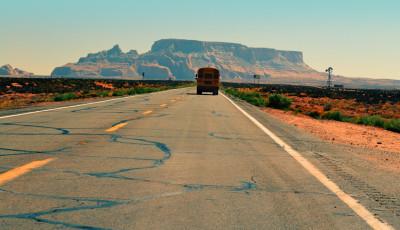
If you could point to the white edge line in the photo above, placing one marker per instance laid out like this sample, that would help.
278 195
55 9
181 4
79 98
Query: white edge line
347 199
73 106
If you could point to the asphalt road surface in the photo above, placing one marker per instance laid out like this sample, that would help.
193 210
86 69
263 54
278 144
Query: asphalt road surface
177 160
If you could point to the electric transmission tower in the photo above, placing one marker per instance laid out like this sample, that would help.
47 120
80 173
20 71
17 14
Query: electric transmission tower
329 70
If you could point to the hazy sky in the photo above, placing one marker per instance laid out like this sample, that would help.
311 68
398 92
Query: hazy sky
358 38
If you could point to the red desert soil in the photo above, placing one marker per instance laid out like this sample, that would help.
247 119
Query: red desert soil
348 134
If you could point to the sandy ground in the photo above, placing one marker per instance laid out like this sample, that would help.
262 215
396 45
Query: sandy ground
348 134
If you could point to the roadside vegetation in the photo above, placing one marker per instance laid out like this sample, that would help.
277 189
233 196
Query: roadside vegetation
17 92
253 98
372 107
277 101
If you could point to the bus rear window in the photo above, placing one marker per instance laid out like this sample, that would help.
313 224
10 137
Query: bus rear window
208 75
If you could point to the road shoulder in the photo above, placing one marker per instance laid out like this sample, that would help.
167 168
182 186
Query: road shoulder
373 184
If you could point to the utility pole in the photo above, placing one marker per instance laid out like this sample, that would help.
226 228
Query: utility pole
329 70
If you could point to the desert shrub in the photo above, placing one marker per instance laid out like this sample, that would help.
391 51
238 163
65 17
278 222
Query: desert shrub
141 90
327 107
229 91
65 97
372 121
131 92
336 115
363 120
377 121
149 90
255 99
90 94
118 93
279 101
314 114
296 111
155 90
103 94
350 120
393 125
252 98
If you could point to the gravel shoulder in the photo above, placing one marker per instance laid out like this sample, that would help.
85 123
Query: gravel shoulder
349 134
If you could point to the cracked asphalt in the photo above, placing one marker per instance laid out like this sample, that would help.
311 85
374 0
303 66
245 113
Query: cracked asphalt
167 160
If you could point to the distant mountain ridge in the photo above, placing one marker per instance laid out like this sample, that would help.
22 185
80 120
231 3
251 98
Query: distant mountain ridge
7 70
236 61
180 59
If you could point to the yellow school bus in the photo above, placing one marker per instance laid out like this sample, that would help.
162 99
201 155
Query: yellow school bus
207 80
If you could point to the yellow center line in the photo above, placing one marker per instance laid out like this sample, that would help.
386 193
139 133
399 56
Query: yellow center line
14 173
178 98
116 127
147 112
172 100
163 105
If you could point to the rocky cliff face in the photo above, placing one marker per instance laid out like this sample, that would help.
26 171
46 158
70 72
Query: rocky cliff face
107 63
236 61
114 55
180 59
9 71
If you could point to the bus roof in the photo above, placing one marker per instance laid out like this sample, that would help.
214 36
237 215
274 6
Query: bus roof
208 68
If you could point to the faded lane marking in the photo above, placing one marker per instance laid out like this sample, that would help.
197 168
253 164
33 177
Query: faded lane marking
366 215
73 106
178 98
172 100
116 127
147 112
14 173
163 105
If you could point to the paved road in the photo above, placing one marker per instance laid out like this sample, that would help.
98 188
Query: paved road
174 160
